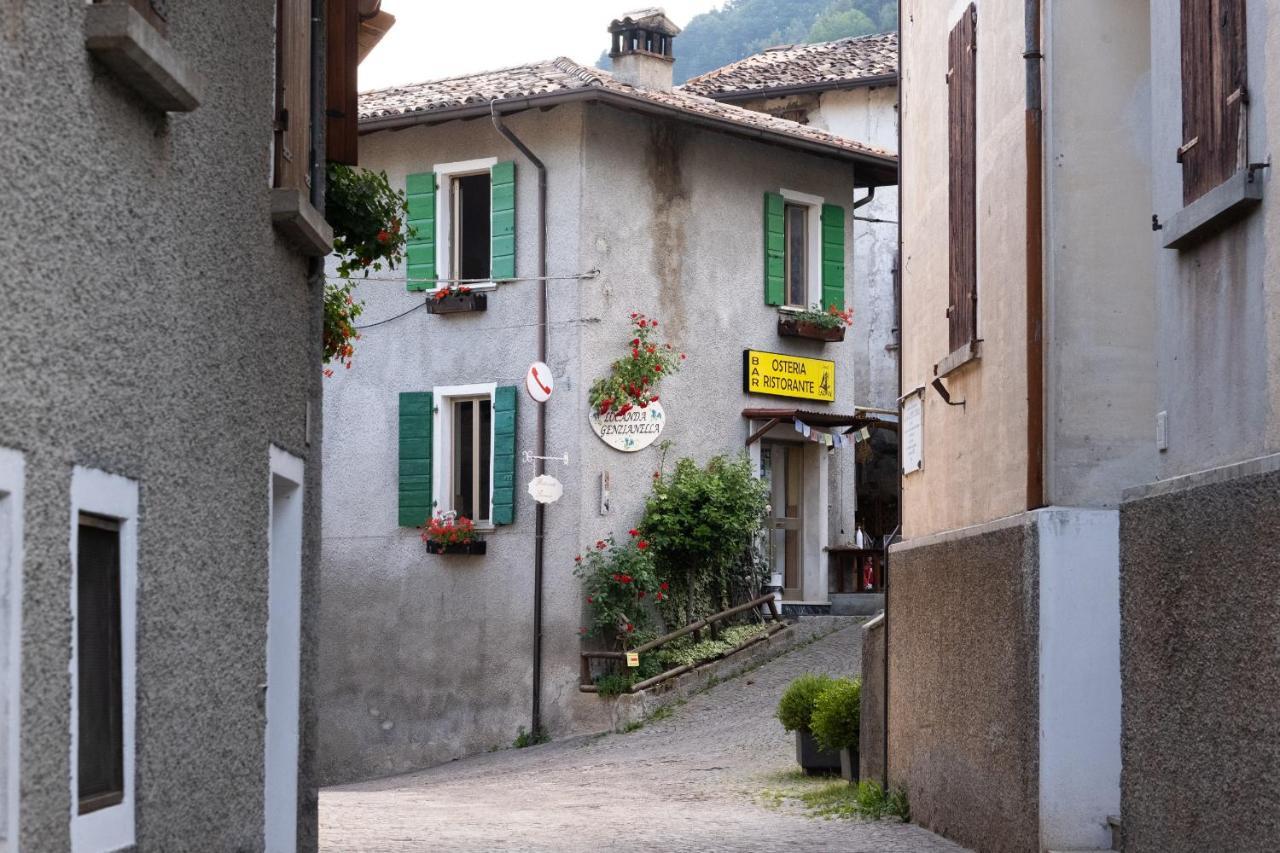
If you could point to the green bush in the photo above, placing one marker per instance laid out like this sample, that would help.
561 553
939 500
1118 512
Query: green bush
795 708
873 802
837 713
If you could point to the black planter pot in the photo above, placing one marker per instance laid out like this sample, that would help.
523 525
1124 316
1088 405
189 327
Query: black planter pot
470 548
789 327
849 764
457 303
813 758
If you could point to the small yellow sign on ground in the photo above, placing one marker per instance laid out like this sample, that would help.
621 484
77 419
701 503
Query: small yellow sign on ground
788 375
633 658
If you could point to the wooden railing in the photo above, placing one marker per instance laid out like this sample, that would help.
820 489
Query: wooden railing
587 686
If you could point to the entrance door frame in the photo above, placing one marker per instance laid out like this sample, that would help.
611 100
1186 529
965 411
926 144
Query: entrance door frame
778 475
283 700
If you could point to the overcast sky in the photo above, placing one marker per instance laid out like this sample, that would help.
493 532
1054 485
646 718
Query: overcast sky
434 39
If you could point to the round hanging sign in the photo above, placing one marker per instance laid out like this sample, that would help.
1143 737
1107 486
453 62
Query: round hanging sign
538 382
545 489
635 430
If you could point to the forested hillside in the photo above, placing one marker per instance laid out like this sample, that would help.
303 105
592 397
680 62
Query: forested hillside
744 27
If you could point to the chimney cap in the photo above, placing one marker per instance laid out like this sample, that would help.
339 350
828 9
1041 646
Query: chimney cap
653 19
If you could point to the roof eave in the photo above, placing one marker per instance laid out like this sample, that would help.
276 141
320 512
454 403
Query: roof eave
804 88
872 169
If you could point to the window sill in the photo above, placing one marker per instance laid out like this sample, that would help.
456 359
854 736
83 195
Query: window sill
300 223
1223 205
140 56
958 359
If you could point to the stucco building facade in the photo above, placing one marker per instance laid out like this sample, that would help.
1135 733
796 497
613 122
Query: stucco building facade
160 429
655 204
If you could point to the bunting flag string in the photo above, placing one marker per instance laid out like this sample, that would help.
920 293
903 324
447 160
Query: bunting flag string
830 439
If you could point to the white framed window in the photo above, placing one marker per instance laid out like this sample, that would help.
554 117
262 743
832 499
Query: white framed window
12 481
802 265
464 220
104 582
463 451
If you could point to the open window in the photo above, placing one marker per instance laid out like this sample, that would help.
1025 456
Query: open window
796 241
804 251
469 236
470 471
464 218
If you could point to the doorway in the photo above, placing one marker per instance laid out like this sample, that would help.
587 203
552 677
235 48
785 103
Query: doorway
284 653
782 465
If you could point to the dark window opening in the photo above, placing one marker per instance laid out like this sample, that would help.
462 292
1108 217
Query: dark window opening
471 199
797 242
100 758
473 428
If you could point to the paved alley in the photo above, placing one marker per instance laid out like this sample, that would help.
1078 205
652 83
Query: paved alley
694 781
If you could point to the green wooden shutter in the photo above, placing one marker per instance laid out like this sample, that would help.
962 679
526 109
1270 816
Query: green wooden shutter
415 458
774 250
502 212
420 252
504 454
833 257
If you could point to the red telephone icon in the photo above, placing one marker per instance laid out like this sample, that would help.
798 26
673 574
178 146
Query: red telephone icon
546 389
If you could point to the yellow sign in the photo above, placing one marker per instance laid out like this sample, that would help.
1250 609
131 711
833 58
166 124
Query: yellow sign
788 375
633 658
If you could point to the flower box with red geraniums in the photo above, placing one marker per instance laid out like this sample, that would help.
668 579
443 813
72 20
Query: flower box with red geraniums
456 300
449 534
815 324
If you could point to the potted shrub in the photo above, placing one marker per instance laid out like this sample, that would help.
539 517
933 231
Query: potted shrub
795 710
815 324
456 299
837 715
451 534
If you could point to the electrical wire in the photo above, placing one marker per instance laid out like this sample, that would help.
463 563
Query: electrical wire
582 276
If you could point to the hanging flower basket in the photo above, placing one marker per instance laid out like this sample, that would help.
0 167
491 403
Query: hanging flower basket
456 300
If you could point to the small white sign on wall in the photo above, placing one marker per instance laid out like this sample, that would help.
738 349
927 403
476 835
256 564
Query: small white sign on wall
912 434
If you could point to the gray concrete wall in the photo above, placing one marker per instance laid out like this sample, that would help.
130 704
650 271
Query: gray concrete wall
158 329
1218 304
425 659
963 726
871 730
1200 578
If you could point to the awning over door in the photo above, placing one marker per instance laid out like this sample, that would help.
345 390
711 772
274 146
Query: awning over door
861 417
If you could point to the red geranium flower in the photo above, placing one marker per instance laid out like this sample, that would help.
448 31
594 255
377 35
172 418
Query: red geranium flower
600 544
633 532
664 586
642 544
630 627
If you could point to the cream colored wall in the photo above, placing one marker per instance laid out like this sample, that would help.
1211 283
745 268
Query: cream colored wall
974 457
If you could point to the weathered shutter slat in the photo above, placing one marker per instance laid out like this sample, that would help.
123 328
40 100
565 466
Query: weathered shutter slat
502 212
962 96
1214 94
342 29
293 102
774 250
832 257
504 454
415 418
420 250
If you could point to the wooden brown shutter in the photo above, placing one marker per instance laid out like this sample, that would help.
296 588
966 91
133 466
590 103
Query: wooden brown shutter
1214 94
293 94
962 96
342 26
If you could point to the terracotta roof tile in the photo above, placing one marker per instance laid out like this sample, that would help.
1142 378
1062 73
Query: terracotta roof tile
831 64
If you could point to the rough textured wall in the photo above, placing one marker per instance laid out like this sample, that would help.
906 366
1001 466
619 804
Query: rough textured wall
974 457
871 730
1099 286
427 658
1200 578
963 722
156 328
1218 304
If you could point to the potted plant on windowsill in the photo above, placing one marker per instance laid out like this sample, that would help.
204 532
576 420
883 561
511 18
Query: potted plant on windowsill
815 324
456 299
836 721
447 533
795 709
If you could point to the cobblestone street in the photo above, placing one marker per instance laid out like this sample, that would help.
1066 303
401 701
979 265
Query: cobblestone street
691 782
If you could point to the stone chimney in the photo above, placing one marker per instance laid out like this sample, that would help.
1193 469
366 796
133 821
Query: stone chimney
641 49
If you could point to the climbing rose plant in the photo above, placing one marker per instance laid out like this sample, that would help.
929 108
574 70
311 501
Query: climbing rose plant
634 378
620 587
366 215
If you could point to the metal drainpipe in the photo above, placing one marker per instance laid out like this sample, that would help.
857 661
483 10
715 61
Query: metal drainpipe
539 518
1034 57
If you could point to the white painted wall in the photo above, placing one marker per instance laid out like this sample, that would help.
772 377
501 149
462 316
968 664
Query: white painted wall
1079 676
115 497
284 653
12 476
